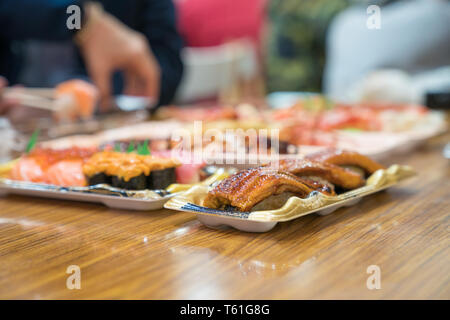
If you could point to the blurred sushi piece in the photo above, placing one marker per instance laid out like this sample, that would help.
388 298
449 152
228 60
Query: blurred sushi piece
130 171
154 145
61 167
135 183
189 171
161 179
75 99
99 178
27 169
66 173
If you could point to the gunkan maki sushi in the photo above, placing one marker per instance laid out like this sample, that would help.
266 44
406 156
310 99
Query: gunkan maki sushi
130 171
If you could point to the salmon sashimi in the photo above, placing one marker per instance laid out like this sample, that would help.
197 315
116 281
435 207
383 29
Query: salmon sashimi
27 169
59 167
66 173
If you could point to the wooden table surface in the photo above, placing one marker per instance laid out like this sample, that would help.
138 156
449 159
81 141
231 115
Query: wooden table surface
170 255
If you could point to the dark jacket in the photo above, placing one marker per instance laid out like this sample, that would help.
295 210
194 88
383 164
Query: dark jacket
45 20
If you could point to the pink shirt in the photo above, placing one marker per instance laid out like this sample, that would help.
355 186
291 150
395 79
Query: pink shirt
204 23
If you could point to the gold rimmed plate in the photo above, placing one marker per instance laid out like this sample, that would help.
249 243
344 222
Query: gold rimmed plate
261 221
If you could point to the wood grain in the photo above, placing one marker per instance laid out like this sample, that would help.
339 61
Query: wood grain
170 255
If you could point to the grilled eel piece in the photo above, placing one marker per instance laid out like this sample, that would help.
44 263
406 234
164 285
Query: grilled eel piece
247 188
346 158
308 169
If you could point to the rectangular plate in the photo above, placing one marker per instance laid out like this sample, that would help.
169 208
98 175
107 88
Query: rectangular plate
261 221
130 200
109 196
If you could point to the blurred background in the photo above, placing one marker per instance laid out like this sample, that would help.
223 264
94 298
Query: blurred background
255 47
136 57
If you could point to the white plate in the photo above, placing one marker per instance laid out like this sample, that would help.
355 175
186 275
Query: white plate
130 200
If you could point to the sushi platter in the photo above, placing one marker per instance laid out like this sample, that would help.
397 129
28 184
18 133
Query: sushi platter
254 199
140 167
222 205
117 179
143 200
111 197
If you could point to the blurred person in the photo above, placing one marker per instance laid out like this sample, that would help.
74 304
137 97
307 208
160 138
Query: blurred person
137 38
5 104
398 62
206 23
222 37
295 55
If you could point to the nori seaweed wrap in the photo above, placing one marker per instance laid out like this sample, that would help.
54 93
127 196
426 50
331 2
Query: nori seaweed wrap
161 179
130 171
135 183
98 178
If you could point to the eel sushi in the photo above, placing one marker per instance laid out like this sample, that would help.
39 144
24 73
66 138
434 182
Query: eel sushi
349 159
270 186
130 170
260 188
321 172
342 169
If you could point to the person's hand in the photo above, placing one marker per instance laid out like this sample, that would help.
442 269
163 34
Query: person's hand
108 45
11 106
6 104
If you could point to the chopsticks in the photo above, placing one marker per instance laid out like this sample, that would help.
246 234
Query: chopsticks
44 99
40 98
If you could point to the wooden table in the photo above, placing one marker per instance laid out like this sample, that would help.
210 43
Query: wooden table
170 255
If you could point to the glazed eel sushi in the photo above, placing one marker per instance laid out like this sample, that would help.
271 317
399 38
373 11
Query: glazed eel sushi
324 172
130 171
269 187
260 188
347 159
